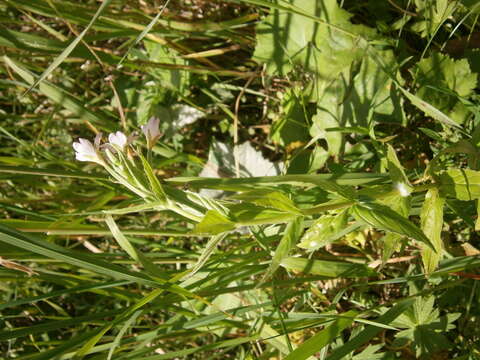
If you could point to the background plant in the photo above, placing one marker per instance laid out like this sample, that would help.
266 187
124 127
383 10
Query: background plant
314 192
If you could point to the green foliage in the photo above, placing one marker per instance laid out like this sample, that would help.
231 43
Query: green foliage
311 190
424 327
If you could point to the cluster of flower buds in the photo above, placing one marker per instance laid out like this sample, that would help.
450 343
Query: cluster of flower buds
118 141
116 157
128 167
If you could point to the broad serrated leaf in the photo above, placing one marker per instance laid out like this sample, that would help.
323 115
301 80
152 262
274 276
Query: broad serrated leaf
286 39
384 218
462 184
441 79
432 14
292 125
278 45
431 219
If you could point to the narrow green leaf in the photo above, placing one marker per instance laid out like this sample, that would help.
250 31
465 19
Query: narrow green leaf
144 32
477 222
269 198
206 253
54 325
138 256
288 241
136 208
118 338
431 219
155 185
219 316
46 172
122 240
251 214
429 109
30 243
324 231
127 313
352 179
395 169
214 223
85 349
327 268
322 338
384 218
73 290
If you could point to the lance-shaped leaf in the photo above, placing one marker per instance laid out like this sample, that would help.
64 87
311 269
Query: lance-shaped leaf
332 269
135 254
431 219
269 198
322 338
397 173
214 223
155 185
384 218
323 231
251 214
289 238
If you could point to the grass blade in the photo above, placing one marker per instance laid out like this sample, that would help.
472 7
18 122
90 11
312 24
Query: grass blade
65 53
322 338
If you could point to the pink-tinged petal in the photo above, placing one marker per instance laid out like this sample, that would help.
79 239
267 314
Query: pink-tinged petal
77 146
151 131
84 142
85 151
83 157
119 139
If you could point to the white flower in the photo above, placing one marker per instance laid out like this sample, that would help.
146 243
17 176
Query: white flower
151 131
403 189
119 139
86 151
